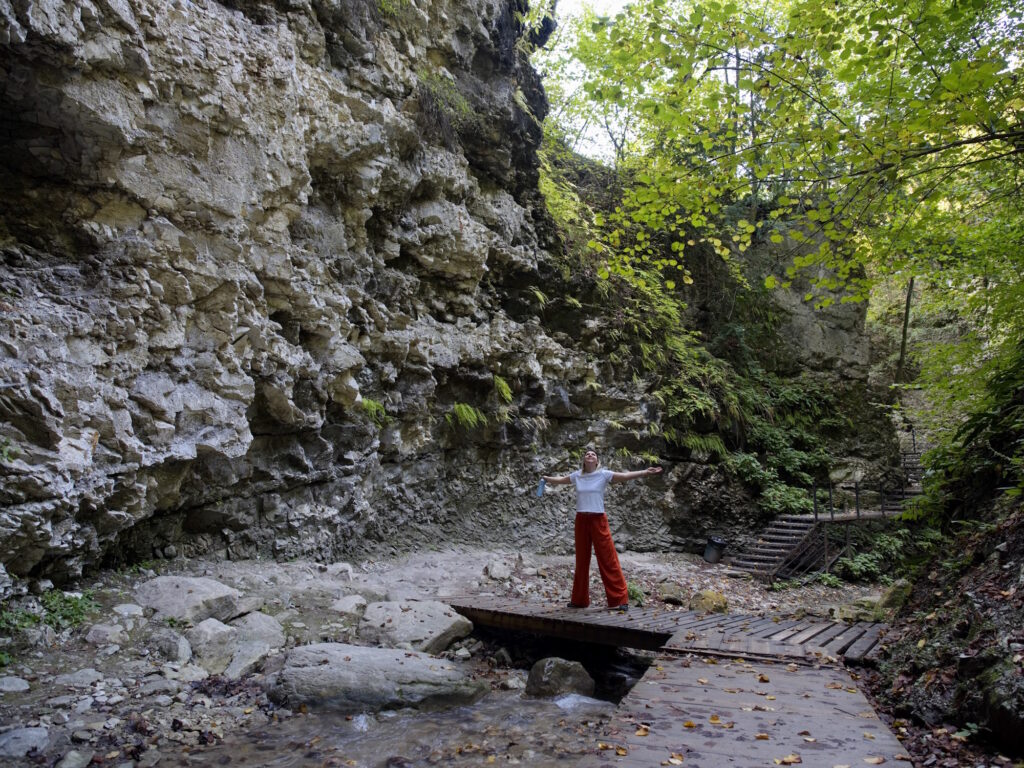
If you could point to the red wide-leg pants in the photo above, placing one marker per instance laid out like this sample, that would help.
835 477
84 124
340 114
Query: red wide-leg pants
592 531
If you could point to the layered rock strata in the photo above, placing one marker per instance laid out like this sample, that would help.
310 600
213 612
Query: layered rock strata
264 267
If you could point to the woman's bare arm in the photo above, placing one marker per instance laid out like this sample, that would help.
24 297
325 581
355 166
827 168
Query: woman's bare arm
621 477
557 479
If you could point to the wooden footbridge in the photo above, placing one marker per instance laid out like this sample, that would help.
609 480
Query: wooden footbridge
725 690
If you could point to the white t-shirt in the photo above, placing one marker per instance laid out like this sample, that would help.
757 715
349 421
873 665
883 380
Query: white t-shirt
590 489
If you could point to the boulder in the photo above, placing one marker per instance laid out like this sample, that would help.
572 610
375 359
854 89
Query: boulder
498 570
259 635
554 676
672 593
214 644
427 626
709 601
10 684
106 634
354 678
170 645
18 742
350 605
189 599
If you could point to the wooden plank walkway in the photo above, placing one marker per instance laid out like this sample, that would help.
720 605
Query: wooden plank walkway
707 712
728 690
659 627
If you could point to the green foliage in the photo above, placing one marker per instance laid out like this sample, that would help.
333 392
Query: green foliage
64 609
465 416
829 580
376 411
5 659
858 145
704 446
17 618
883 556
392 8
444 111
8 451
503 389
636 595
60 611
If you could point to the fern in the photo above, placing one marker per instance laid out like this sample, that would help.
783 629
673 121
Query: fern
465 416
502 388
709 445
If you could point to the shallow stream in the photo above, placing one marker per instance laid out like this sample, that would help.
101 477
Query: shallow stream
503 728
506 727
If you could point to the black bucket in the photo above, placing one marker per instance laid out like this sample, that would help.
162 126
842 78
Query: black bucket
713 550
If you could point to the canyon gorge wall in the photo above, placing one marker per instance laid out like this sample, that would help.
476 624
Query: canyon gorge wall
259 261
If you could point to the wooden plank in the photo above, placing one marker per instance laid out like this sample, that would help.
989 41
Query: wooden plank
784 634
823 637
856 652
804 635
841 642
715 722
775 628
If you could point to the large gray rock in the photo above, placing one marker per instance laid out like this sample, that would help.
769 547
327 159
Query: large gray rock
18 742
214 644
354 678
554 676
189 599
427 626
258 636
170 645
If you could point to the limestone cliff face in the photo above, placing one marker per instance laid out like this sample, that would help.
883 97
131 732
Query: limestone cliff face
230 233
253 254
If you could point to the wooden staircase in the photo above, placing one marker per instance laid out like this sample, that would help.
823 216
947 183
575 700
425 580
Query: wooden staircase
785 539
795 544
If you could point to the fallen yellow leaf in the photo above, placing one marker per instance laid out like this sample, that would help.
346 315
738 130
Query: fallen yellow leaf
810 739
788 760
715 719
621 751
902 756
762 737
602 745
702 680
869 735
674 759
770 698
874 760
689 724
643 730
763 678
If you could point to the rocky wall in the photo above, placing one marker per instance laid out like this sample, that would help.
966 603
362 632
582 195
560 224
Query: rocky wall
254 254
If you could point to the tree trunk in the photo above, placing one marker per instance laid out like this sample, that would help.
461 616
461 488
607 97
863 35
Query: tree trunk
903 340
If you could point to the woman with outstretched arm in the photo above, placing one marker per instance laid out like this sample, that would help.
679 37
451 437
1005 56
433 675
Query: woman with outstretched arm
592 531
